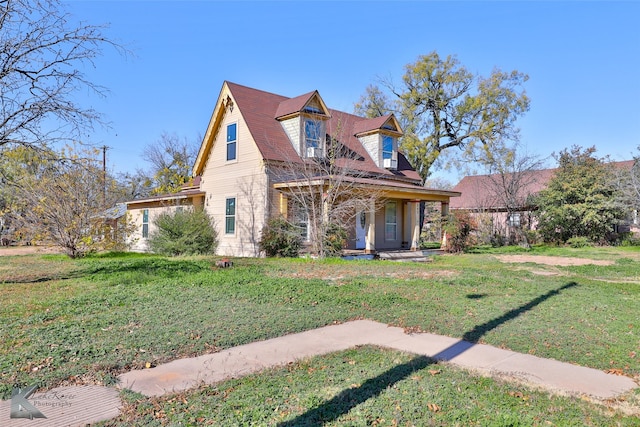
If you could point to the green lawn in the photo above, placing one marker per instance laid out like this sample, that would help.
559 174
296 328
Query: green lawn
86 321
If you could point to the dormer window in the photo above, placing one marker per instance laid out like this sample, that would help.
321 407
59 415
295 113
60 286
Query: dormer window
304 120
379 136
313 136
389 154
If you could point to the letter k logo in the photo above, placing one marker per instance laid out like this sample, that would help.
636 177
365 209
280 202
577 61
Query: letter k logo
20 408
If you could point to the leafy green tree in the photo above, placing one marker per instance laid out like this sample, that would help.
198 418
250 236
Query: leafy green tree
442 105
580 200
184 232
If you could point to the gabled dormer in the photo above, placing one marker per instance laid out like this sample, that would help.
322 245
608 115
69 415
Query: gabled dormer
304 120
379 136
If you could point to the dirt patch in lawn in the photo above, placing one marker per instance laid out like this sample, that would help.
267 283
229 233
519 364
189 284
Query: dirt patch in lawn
552 260
28 250
343 274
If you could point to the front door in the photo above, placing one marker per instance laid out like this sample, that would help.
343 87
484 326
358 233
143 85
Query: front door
361 229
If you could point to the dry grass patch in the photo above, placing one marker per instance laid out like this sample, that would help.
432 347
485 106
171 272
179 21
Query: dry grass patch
552 260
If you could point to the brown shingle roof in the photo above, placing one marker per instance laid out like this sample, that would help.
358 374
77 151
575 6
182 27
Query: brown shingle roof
477 189
366 125
260 109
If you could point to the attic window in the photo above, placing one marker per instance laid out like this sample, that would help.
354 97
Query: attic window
313 110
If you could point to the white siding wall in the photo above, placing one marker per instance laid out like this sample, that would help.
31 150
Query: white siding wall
244 179
292 129
372 145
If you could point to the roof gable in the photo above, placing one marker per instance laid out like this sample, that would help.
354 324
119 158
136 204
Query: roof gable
259 110
308 103
386 123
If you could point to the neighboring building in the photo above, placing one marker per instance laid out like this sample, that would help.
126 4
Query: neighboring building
501 204
245 171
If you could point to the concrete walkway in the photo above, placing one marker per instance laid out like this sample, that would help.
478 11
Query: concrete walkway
78 406
558 377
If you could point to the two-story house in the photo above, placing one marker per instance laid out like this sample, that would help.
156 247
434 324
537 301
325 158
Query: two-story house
262 150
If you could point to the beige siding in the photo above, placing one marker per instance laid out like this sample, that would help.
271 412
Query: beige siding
136 241
243 179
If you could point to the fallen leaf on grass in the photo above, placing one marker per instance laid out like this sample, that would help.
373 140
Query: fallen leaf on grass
614 371
519 395
433 407
434 371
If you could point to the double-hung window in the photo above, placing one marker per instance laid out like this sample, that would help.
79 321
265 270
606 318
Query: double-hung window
389 158
514 220
387 147
230 216
313 137
232 141
145 223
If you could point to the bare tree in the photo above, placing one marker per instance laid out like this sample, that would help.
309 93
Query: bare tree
326 191
510 185
627 181
63 205
41 64
171 159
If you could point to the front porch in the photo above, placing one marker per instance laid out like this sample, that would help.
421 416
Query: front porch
380 216
402 255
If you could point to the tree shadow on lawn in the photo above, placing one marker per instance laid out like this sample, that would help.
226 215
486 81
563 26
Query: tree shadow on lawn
350 398
97 267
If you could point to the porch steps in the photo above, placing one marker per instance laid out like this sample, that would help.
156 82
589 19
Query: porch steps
409 256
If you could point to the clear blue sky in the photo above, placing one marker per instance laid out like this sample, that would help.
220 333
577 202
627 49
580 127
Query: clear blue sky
582 57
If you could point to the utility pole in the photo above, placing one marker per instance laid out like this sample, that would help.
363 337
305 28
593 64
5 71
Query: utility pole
104 176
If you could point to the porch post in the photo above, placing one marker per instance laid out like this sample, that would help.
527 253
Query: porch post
444 212
282 205
370 236
444 209
414 224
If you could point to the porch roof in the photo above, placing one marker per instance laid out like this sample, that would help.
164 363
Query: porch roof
388 189
185 194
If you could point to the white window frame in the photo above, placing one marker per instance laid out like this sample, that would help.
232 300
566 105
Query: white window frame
317 144
230 142
389 158
514 220
228 216
145 223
